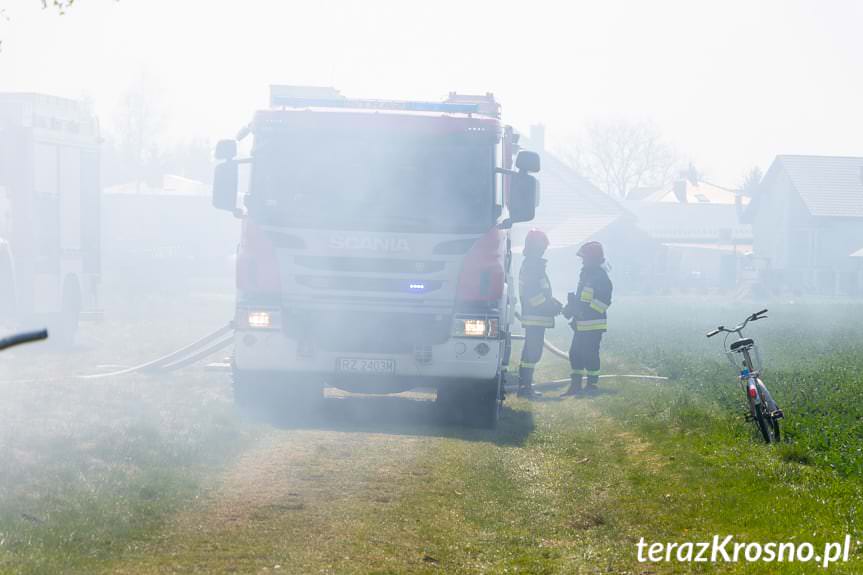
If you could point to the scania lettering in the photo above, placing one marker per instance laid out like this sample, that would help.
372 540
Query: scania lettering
371 244
375 252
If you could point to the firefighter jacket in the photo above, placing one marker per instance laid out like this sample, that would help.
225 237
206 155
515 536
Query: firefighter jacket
592 300
538 307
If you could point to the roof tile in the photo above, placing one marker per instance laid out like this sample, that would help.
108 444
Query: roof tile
829 185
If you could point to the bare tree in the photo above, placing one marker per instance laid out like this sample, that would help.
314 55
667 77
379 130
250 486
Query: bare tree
751 182
60 5
137 131
621 156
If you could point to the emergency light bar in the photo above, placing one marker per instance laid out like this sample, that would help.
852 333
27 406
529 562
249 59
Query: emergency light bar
306 97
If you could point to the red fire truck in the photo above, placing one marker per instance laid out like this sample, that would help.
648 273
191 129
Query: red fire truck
375 252
49 210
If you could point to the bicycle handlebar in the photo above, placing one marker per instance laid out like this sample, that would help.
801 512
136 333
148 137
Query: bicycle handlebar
722 329
20 338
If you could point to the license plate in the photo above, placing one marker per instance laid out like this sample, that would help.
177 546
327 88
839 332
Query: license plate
363 365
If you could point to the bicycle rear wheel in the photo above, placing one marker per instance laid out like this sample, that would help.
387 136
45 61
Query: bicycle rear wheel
763 421
777 435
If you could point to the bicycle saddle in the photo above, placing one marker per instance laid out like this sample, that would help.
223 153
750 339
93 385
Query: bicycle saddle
747 342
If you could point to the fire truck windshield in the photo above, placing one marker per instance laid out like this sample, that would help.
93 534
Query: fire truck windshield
385 181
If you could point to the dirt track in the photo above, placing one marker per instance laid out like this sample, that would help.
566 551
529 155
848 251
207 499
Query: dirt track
304 470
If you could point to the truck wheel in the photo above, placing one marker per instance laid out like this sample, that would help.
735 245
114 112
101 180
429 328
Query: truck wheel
248 388
486 403
476 404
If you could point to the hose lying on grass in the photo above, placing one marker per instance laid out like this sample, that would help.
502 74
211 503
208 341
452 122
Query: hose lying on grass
560 353
224 336
184 356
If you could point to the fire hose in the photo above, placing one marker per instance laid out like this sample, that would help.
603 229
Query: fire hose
562 354
224 337
196 351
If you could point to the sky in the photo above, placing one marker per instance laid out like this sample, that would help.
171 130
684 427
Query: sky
730 84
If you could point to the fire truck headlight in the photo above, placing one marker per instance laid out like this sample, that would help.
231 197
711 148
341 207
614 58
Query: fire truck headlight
475 327
261 319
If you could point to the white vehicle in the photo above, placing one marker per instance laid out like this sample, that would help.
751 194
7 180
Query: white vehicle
375 253
49 210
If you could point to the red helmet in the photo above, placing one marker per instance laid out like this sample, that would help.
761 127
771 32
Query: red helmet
535 242
592 252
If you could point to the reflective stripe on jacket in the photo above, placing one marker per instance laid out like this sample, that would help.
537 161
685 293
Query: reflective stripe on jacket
538 306
594 298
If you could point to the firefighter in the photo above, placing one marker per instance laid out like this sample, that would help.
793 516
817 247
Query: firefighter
538 308
588 308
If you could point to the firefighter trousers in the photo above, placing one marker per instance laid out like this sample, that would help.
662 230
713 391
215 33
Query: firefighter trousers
531 353
584 355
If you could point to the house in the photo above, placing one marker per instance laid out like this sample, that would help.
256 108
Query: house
698 224
807 219
169 231
573 211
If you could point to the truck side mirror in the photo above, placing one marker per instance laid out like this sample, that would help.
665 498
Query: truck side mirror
226 181
527 161
523 195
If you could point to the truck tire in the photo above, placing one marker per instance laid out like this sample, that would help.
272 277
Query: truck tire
486 403
475 404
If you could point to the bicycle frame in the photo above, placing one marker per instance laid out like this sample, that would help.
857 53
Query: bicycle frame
750 375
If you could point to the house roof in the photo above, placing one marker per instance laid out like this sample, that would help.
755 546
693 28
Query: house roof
578 230
571 210
828 185
702 222
698 193
647 194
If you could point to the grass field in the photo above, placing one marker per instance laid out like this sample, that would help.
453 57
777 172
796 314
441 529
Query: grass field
161 475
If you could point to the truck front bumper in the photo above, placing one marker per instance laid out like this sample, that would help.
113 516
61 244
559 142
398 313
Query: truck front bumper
455 359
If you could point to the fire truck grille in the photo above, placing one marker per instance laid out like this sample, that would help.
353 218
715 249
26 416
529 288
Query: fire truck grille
370 265
366 332
369 284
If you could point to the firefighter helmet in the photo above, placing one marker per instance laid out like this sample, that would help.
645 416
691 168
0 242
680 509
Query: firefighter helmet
591 252
535 242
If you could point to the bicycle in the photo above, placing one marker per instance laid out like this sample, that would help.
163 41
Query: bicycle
762 408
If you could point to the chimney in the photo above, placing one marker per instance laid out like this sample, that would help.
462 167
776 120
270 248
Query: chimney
537 137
